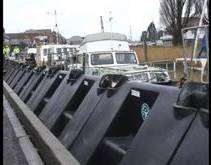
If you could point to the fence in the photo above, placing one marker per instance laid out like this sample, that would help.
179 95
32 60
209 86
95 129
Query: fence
158 53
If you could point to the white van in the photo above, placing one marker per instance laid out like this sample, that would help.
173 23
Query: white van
57 52
106 53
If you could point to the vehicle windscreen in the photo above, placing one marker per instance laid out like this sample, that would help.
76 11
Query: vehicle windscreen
126 58
102 59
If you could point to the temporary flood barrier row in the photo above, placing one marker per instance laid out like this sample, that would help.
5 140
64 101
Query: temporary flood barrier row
110 120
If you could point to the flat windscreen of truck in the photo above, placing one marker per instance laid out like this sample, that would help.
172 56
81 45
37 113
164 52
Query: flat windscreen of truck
134 111
102 59
125 58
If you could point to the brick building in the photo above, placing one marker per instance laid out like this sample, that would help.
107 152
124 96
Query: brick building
35 37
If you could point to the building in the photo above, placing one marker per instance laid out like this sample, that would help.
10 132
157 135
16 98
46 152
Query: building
35 37
6 38
167 40
193 21
75 40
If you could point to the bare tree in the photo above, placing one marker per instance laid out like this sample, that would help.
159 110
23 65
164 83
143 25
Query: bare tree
152 32
176 14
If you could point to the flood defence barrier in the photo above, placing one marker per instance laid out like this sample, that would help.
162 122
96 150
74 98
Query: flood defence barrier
110 120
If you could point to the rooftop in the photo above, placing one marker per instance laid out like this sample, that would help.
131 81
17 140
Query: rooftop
104 36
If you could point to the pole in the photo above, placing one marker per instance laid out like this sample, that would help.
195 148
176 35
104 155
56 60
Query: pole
110 19
84 63
145 51
207 45
200 24
145 47
186 71
131 33
56 26
197 35
101 23
174 66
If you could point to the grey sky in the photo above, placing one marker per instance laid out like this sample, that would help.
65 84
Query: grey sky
81 17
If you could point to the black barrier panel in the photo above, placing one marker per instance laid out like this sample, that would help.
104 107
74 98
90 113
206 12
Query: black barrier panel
67 98
16 73
96 126
95 131
17 78
161 134
7 73
10 71
30 87
39 88
13 75
123 129
82 114
23 81
49 93
44 91
6 65
194 149
71 107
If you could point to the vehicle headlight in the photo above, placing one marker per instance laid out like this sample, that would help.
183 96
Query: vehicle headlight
159 76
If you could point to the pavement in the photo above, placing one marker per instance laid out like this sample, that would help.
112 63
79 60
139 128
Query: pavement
12 152
17 147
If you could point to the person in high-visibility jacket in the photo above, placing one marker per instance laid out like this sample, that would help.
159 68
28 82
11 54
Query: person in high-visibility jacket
6 51
16 51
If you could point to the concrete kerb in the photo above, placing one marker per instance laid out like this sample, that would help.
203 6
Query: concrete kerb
50 148
28 149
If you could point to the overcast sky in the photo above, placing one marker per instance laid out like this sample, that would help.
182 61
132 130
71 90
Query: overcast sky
81 17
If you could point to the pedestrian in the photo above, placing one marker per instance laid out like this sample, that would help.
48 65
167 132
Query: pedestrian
6 51
16 51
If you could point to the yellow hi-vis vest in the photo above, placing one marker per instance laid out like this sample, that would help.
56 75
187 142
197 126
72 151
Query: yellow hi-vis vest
16 50
6 51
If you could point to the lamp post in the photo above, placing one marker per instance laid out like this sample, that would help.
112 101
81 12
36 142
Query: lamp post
56 25
110 20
